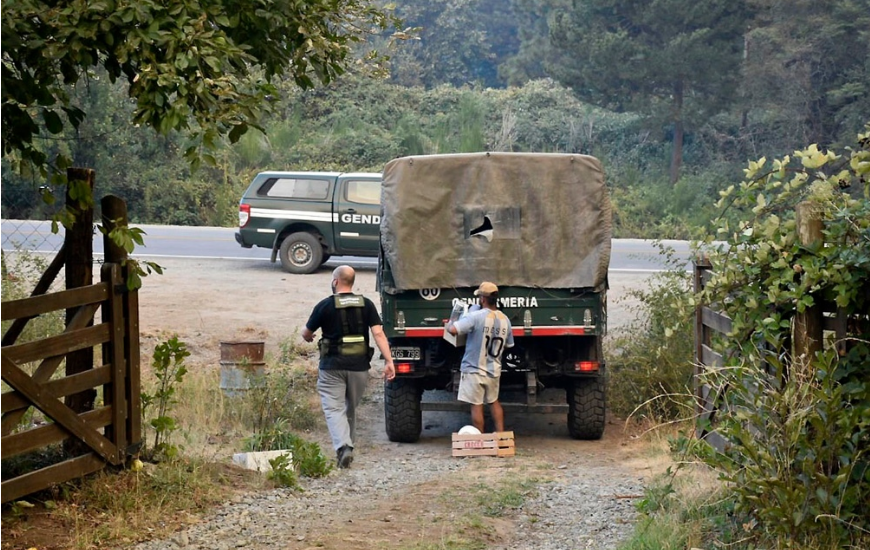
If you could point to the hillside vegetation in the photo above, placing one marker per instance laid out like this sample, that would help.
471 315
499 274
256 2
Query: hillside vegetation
673 107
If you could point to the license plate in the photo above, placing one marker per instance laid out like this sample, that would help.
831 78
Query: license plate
409 353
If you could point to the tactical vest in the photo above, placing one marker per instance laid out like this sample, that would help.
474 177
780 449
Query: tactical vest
352 342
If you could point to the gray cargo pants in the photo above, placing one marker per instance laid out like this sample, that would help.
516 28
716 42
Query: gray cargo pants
340 393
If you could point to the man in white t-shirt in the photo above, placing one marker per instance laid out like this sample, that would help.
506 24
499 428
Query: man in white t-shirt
489 334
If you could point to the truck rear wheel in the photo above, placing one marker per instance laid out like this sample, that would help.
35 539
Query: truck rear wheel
301 253
402 412
586 402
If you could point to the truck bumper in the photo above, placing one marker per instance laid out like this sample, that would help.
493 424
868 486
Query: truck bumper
241 242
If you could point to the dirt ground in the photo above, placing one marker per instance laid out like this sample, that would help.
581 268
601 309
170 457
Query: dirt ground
209 301
206 302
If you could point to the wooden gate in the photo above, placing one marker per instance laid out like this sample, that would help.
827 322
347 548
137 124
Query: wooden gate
110 429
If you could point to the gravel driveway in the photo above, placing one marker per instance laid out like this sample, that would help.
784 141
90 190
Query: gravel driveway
572 494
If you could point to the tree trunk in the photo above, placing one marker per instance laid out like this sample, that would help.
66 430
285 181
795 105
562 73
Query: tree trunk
677 152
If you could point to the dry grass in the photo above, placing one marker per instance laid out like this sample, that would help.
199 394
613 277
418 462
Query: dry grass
120 507
112 508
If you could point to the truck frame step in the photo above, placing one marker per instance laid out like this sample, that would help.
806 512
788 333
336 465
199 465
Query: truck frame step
456 406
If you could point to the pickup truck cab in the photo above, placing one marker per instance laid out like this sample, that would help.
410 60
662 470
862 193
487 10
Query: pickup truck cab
307 217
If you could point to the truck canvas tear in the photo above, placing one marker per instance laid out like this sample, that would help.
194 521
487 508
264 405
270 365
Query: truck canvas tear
537 225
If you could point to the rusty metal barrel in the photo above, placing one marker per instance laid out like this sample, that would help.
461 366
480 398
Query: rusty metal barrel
242 367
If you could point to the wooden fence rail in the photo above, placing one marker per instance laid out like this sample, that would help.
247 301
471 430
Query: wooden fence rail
708 323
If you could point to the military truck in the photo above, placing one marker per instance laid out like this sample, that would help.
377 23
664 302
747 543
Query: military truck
537 225
307 217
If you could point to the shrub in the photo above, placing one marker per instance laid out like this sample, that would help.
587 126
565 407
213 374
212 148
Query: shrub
650 360
798 427
281 394
169 368
308 459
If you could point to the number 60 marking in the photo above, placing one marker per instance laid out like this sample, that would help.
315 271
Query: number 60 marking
430 293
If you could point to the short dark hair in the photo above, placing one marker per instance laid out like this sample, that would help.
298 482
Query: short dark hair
490 299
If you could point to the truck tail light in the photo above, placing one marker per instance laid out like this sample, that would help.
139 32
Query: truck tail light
527 319
587 318
244 214
586 366
404 368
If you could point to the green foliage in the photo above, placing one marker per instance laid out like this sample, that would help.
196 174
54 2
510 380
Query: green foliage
127 238
457 42
200 67
650 360
659 494
308 459
800 464
274 437
280 396
360 124
169 369
638 56
799 426
675 513
282 472
820 98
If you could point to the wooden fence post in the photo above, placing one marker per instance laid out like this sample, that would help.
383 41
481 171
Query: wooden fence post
114 212
808 325
79 249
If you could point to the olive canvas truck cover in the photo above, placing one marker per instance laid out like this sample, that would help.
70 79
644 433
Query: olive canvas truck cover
518 219
537 225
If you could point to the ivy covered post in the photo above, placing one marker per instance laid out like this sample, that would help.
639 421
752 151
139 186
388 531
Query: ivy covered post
808 323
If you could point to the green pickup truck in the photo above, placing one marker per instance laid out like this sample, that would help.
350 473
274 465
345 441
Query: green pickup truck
307 217
537 225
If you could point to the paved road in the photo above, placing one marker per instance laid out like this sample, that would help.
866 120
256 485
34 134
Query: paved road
628 255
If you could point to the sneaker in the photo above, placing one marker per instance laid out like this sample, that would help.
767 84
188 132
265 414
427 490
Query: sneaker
345 456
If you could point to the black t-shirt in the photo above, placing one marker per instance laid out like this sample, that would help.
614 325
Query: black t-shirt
326 317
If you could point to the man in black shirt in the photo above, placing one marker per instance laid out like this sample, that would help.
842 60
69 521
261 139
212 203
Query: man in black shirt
345 319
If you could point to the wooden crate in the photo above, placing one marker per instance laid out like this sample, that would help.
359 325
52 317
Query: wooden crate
492 444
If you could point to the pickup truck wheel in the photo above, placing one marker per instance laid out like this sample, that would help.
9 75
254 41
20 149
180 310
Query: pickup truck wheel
325 258
402 412
586 402
301 253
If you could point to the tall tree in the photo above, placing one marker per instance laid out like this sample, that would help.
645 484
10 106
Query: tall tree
675 61
534 50
200 66
460 42
807 73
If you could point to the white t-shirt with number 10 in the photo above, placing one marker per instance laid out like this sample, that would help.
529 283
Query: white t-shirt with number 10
489 334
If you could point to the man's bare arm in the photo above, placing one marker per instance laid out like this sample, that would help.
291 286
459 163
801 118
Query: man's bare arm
384 347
